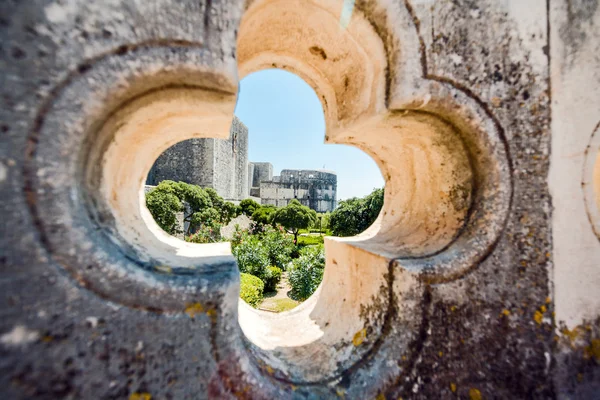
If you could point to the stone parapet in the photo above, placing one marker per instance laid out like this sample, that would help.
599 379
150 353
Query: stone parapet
478 280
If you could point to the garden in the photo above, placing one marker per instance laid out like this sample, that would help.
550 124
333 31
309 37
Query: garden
280 253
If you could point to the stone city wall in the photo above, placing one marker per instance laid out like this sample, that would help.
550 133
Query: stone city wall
250 177
208 162
190 161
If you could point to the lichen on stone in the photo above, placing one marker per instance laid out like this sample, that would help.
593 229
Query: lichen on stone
359 337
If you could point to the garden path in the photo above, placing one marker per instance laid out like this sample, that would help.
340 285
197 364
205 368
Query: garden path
279 301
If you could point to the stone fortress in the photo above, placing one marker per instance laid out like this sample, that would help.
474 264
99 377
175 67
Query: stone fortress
222 164
313 188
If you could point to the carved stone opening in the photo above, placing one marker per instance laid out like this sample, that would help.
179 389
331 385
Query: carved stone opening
429 185
440 217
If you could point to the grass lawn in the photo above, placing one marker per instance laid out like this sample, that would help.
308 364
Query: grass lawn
309 240
279 305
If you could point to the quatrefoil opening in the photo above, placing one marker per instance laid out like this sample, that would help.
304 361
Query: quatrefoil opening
448 184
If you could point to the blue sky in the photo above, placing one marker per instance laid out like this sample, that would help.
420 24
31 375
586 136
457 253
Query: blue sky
287 128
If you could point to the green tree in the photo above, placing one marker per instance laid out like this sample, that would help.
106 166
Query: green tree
354 215
202 208
294 217
264 214
216 200
194 197
229 211
205 217
322 222
373 204
164 205
248 206
325 219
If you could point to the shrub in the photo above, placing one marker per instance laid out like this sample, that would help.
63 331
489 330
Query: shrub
238 237
306 272
279 246
256 228
296 252
272 278
206 234
251 289
252 257
324 231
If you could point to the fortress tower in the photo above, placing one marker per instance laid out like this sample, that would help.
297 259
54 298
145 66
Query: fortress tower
208 162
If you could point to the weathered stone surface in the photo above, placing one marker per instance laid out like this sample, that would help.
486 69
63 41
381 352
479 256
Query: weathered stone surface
190 161
574 179
97 304
242 221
